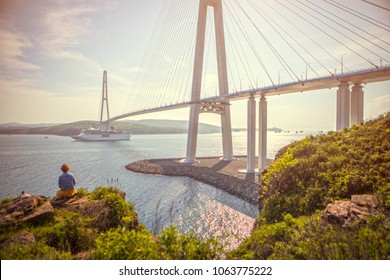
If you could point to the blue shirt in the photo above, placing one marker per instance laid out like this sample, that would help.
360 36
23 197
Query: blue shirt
66 181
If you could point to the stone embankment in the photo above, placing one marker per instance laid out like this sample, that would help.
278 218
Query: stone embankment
213 171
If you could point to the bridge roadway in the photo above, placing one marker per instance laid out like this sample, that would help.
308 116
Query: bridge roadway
358 77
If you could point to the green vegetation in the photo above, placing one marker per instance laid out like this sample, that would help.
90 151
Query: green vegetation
86 235
305 177
117 244
309 174
309 238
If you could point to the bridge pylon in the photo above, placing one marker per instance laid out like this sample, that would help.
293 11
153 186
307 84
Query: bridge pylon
104 102
196 105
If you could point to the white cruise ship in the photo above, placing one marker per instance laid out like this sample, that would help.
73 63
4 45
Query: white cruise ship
101 134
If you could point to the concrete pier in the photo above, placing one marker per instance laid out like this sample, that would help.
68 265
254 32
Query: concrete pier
343 106
357 101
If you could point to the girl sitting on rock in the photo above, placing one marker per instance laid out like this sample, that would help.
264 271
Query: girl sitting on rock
66 183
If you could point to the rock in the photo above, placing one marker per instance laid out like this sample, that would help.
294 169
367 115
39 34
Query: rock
338 212
24 237
23 195
36 209
347 213
43 213
25 209
365 200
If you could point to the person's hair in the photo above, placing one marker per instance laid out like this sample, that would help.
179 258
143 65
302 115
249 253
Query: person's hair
65 167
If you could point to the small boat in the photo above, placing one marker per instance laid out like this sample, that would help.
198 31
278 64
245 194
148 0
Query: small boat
104 133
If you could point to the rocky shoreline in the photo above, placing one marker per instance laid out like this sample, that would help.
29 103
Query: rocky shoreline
213 171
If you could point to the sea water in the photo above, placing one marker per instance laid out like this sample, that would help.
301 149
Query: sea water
31 163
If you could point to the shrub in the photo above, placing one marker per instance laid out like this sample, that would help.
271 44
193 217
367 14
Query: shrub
122 212
71 233
309 174
309 238
5 200
141 245
177 246
37 251
119 244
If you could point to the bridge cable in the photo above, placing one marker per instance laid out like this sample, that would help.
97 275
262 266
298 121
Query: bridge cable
146 55
242 30
384 8
251 46
164 97
162 54
357 14
357 27
327 33
150 77
231 75
244 64
144 58
261 13
273 49
173 73
235 53
308 36
345 28
189 56
174 32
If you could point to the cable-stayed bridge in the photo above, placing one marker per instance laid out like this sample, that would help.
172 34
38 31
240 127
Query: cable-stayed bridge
204 50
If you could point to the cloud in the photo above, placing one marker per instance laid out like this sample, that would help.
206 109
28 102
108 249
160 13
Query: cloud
378 105
21 101
13 46
65 26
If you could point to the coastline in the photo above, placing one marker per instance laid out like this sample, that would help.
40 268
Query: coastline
214 171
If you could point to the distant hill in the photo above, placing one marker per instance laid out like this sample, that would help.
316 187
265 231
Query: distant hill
147 126
136 127
20 125
176 124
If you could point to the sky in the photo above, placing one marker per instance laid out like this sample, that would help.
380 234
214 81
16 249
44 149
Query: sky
53 53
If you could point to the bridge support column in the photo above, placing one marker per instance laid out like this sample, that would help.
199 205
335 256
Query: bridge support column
262 133
227 139
343 107
251 141
227 142
357 102
192 136
251 137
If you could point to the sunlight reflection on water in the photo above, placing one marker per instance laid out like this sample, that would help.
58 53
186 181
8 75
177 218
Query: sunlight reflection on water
31 163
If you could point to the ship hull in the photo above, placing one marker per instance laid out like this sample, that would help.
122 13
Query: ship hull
102 137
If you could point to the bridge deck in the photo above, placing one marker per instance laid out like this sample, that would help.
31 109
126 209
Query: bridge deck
364 76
